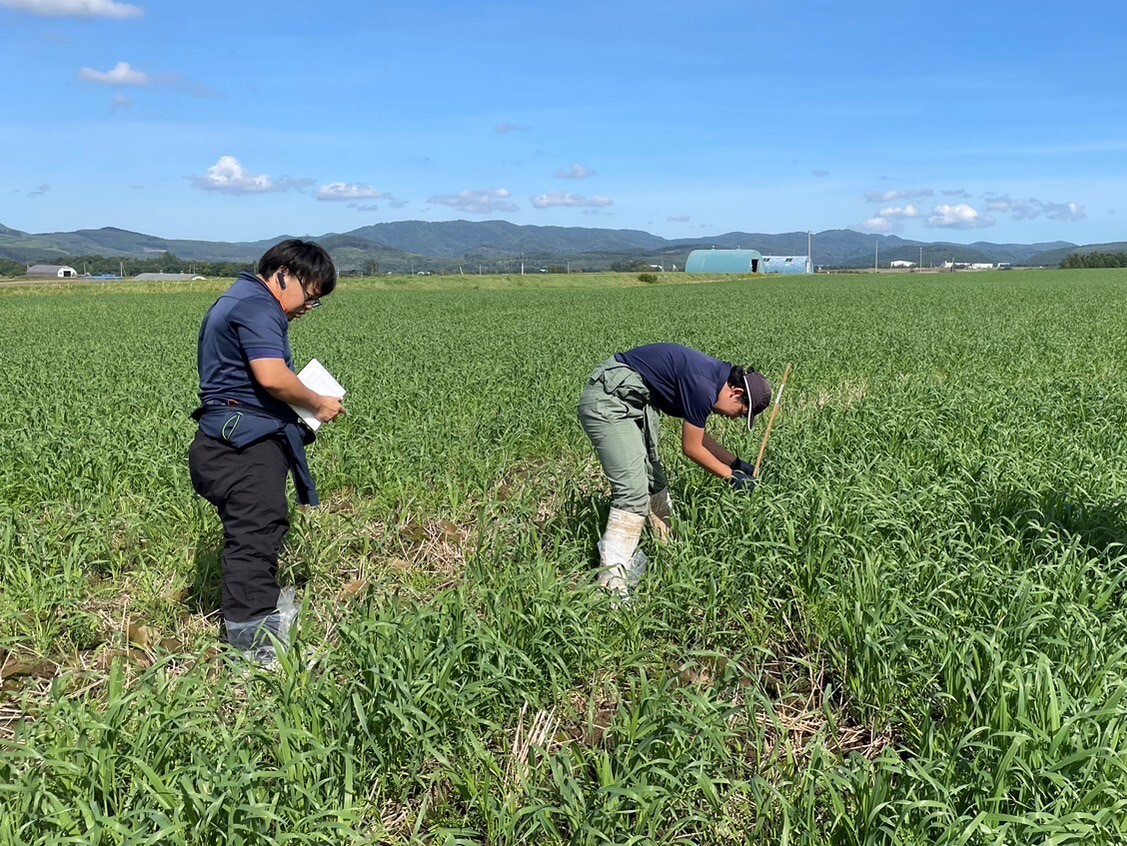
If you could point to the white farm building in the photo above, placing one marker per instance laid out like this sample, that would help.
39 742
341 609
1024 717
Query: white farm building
52 271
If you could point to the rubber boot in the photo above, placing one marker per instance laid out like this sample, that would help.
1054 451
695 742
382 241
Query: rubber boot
661 514
616 550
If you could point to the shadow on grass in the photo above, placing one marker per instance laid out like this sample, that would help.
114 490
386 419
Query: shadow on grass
1055 516
206 591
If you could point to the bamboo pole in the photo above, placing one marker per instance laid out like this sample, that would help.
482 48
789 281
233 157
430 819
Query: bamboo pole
771 421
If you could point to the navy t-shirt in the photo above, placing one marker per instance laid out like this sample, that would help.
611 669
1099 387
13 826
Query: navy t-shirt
245 324
683 382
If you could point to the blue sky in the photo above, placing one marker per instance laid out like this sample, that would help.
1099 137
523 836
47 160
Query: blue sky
959 121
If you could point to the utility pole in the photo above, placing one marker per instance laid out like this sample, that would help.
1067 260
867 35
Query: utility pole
876 256
809 251
921 258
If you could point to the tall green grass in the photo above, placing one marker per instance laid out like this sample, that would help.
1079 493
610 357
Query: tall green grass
912 633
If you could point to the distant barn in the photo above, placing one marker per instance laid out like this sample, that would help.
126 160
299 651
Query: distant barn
168 277
54 271
785 264
724 261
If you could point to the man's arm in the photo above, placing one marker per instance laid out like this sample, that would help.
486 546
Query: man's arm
718 451
282 384
695 444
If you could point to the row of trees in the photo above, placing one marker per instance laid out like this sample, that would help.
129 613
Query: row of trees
1095 260
163 263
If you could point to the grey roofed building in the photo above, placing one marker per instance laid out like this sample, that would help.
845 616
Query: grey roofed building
168 277
785 264
55 271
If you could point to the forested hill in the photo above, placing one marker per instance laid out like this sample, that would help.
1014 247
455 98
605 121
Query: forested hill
496 245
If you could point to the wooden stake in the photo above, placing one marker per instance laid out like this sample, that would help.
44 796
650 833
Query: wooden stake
771 421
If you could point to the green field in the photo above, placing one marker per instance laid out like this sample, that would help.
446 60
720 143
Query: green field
914 632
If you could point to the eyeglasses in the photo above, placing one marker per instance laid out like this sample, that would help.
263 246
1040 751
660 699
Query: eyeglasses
310 302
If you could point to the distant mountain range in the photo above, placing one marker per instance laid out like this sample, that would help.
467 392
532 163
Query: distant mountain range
496 245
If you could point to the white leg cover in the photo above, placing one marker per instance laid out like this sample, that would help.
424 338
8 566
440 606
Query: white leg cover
620 539
661 514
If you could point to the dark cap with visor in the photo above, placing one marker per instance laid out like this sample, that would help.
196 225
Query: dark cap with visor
758 395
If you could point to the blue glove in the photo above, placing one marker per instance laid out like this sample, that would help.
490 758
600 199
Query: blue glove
742 481
742 466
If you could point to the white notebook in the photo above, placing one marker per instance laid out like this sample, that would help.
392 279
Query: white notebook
315 377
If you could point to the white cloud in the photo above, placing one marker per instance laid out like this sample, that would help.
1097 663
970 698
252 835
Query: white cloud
880 225
1004 203
888 219
899 212
75 8
678 218
1065 211
1033 208
892 196
229 176
125 74
576 171
477 202
563 198
347 191
961 216
121 74
958 192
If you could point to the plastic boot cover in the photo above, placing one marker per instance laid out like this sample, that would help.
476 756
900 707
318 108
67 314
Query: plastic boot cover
616 551
259 639
635 568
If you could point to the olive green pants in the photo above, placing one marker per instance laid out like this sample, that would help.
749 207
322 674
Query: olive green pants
615 412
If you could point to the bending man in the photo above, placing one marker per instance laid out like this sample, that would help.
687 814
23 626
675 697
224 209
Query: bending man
619 412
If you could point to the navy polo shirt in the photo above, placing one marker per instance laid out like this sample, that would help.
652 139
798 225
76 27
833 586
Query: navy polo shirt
245 324
683 382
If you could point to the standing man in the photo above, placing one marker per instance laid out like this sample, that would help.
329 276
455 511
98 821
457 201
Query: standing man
619 412
249 438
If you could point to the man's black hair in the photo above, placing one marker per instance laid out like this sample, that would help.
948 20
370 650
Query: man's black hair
737 374
307 261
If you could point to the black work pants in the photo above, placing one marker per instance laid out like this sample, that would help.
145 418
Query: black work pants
248 487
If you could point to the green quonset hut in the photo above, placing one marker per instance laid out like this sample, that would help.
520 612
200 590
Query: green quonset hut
723 261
